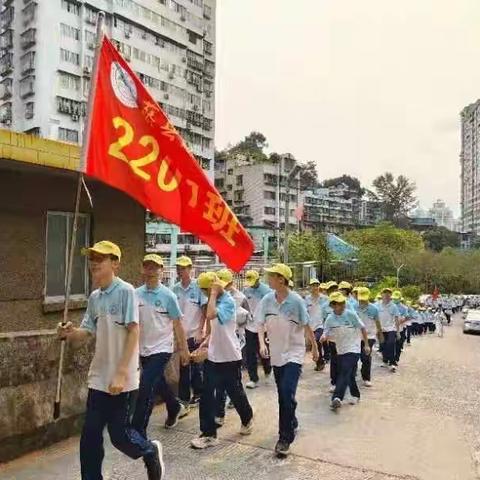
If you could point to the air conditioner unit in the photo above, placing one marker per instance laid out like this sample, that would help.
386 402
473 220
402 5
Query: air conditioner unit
86 71
184 59
171 75
91 45
159 42
91 21
127 34
208 94
75 118
144 35
195 107
166 96
182 17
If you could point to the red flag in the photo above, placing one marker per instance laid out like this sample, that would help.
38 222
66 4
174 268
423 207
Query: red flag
436 293
299 212
133 147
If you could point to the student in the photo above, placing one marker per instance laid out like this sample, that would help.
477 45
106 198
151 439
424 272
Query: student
254 291
112 317
313 302
368 314
415 319
160 317
420 320
342 326
346 289
330 347
192 305
282 314
223 367
390 321
408 323
243 315
403 316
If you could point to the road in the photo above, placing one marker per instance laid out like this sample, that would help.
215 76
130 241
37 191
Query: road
420 423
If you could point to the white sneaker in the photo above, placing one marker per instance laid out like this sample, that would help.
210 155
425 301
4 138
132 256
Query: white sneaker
367 383
251 384
220 421
201 442
247 429
336 404
268 379
354 400
384 365
331 389
393 368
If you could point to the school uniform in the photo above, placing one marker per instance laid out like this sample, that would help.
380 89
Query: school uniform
344 330
254 295
109 313
369 316
388 313
191 301
285 325
223 369
315 312
403 311
158 307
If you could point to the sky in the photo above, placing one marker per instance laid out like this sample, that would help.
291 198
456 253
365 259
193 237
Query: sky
359 86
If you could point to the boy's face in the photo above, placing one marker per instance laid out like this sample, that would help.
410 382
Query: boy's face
387 297
276 281
314 289
338 308
101 266
151 271
183 273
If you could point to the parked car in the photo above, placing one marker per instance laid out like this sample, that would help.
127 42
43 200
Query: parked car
472 322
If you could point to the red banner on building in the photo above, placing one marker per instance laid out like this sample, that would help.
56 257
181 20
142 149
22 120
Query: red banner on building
133 147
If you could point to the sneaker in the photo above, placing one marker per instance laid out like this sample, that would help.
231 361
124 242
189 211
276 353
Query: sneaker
154 463
354 400
172 420
247 429
281 449
319 367
219 421
184 411
251 384
203 442
384 365
393 368
332 388
230 405
195 401
268 379
336 404
367 383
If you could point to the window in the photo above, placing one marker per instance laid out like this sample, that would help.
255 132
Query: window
68 81
267 195
69 57
59 228
239 180
27 38
238 196
71 7
69 32
27 85
70 107
229 187
29 110
219 182
33 131
27 62
230 171
6 88
68 135
29 13
90 39
269 210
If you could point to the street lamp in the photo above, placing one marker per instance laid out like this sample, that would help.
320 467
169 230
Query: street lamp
398 273
291 175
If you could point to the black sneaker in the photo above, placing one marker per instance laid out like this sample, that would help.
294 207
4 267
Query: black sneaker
282 449
154 463
172 420
195 400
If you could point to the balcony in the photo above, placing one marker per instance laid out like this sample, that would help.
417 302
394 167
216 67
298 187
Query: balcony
27 63
28 38
6 89
27 86
6 64
6 39
6 113
6 17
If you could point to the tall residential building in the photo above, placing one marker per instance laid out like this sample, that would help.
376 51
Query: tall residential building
46 60
470 168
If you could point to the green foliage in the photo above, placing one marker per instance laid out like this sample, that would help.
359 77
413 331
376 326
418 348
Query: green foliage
307 247
383 248
385 282
352 182
439 238
396 195
411 292
308 176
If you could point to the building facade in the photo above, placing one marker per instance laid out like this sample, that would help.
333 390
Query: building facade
46 61
470 168
443 215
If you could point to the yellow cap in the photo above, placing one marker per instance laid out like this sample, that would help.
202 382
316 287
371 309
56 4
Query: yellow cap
207 279
345 286
323 286
184 261
104 247
251 277
379 296
387 290
397 295
153 257
331 284
363 294
337 297
225 275
355 289
409 303
314 281
280 269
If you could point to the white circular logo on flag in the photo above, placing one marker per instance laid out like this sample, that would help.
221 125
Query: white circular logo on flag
123 85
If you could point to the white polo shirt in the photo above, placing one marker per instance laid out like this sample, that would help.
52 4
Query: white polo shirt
191 300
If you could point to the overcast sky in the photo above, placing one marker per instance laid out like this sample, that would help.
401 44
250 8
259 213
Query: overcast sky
358 86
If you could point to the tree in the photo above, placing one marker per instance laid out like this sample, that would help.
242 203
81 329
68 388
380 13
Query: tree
308 176
396 195
439 238
352 182
255 142
307 247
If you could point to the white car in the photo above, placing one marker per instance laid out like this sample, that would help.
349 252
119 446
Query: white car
472 321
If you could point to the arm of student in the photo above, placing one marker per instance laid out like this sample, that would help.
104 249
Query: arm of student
204 325
77 336
131 343
181 341
366 347
311 337
261 341
211 312
379 331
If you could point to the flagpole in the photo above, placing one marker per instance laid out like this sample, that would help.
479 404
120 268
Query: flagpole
80 183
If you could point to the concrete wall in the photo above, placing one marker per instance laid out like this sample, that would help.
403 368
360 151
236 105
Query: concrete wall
29 350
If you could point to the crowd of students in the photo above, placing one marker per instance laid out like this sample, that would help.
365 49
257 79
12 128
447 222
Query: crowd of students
218 330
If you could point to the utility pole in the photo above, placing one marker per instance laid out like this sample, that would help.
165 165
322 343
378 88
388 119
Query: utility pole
279 175
398 274
291 175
